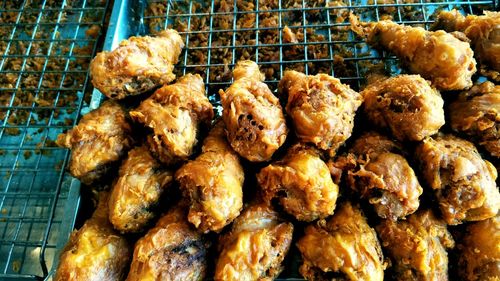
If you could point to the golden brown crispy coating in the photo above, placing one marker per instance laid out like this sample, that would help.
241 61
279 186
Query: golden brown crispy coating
95 251
383 176
343 248
417 246
477 113
174 113
438 56
255 123
140 184
139 64
172 250
463 182
322 109
255 247
214 183
302 182
406 105
101 138
484 33
479 257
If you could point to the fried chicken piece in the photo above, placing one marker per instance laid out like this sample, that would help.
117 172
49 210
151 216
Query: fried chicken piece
214 183
172 250
417 246
322 109
343 248
438 56
483 32
463 182
175 113
479 257
407 105
477 113
101 138
382 175
95 251
138 65
141 182
255 123
255 247
302 182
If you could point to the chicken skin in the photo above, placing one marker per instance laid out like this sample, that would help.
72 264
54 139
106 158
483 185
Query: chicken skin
255 247
477 114
479 257
140 184
175 113
437 56
101 138
406 105
302 183
214 183
343 248
378 171
95 252
138 65
463 182
417 246
255 123
321 108
172 250
483 32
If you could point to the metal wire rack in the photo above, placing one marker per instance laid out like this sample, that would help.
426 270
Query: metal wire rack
45 47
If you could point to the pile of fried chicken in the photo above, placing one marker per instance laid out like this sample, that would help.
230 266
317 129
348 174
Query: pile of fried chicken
290 169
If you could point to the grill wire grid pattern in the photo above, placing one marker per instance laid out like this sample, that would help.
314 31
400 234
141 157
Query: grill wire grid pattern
45 50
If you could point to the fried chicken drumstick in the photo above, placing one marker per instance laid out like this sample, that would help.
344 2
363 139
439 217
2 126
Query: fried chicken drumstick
172 250
438 56
141 182
255 247
343 248
302 183
95 252
417 246
321 108
406 105
214 183
175 113
255 123
101 138
463 182
138 65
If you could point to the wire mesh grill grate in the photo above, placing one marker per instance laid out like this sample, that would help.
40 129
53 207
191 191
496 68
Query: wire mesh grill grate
45 47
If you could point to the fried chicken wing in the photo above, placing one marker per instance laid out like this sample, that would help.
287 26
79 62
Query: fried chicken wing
101 138
140 184
322 109
417 246
343 248
139 64
255 123
172 250
302 182
479 257
483 32
174 113
438 56
381 174
406 105
477 113
214 183
95 251
255 247
463 182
